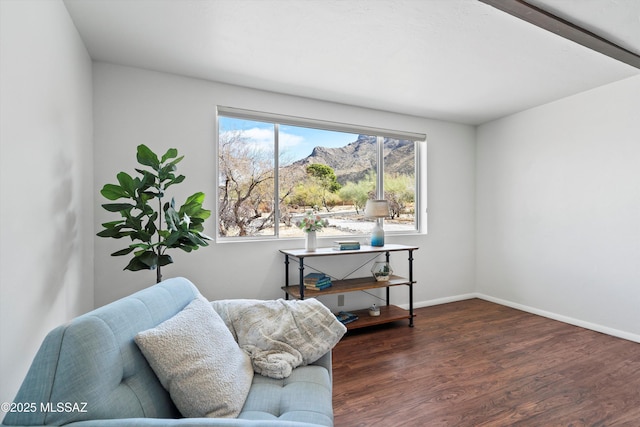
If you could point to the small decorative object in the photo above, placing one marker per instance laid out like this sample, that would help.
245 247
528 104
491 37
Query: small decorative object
347 245
378 209
345 317
310 243
381 271
311 223
374 311
317 281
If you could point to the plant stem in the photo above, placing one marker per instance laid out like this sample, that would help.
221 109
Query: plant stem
158 273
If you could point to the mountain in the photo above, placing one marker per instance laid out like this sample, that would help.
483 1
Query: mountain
354 160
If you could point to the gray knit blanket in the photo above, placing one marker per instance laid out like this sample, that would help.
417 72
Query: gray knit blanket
280 335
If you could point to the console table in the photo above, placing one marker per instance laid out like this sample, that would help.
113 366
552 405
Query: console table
388 313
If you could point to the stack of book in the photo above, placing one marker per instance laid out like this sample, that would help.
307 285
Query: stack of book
317 281
347 245
345 317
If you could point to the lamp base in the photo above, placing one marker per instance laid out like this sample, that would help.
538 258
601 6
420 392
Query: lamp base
377 235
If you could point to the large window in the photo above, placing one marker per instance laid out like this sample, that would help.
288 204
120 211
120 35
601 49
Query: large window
273 169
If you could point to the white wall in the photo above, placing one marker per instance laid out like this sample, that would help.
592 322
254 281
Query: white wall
558 209
46 245
134 106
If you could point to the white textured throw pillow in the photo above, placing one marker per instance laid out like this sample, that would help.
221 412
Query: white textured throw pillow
197 360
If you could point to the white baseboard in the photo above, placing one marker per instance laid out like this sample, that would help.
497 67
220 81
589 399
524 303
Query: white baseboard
562 318
439 301
566 319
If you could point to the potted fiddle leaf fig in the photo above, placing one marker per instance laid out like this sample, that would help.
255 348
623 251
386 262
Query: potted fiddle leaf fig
152 226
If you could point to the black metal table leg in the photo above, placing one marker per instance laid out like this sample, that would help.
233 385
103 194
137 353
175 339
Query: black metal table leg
411 288
387 289
301 277
286 275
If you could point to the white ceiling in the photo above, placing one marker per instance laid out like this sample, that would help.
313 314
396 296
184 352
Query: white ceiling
457 60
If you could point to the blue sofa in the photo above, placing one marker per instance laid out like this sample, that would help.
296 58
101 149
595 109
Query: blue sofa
90 372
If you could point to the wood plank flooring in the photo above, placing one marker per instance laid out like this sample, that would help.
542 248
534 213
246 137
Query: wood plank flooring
475 363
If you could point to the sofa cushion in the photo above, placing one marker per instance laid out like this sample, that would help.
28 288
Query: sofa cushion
198 362
304 396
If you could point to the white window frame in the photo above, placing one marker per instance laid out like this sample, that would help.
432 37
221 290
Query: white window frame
281 119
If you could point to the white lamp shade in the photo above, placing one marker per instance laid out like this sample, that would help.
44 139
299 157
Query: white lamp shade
376 209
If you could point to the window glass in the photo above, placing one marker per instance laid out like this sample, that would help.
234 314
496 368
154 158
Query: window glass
400 184
246 180
331 173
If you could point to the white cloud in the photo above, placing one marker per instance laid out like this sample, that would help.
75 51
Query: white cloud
290 141
263 139
259 136
295 142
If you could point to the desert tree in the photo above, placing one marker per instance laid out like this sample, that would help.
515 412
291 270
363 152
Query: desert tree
246 190
399 190
324 177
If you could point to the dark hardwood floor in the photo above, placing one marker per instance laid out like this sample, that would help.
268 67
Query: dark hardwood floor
475 363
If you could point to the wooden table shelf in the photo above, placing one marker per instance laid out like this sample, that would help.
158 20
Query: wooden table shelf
388 313
348 285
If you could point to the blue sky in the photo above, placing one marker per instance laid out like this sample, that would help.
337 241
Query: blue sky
295 142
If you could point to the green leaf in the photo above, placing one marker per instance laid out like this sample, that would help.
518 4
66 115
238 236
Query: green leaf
148 180
151 227
148 210
197 198
149 258
127 183
193 207
136 265
133 223
123 251
113 192
196 227
176 180
141 235
144 246
165 173
117 207
201 214
170 154
164 260
172 219
197 240
178 160
112 224
172 239
205 237
148 195
147 157
113 233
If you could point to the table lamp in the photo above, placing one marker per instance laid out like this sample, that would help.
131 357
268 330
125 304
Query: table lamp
377 209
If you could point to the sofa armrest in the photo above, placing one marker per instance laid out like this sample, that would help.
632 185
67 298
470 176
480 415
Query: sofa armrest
326 362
